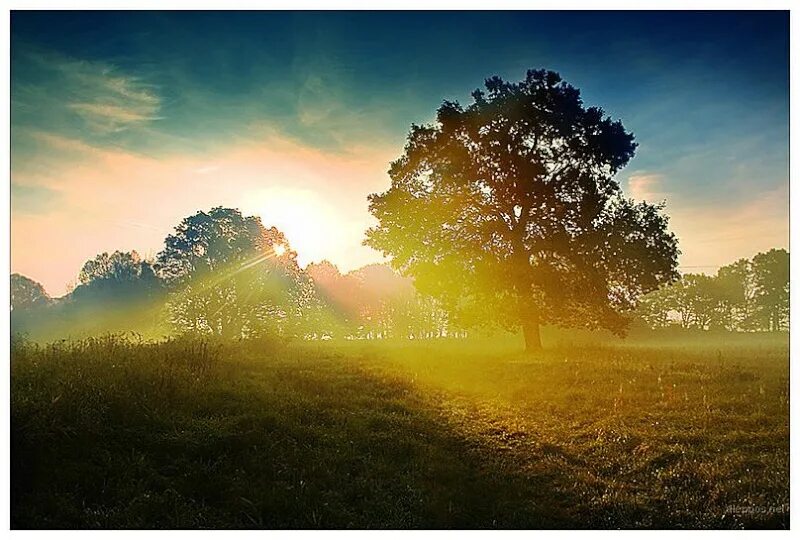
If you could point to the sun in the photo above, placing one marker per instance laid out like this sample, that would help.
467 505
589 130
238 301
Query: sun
307 221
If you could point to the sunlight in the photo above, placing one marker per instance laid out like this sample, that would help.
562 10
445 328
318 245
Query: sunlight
305 219
334 272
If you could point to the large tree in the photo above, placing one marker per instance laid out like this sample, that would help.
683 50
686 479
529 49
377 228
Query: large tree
508 209
218 240
232 276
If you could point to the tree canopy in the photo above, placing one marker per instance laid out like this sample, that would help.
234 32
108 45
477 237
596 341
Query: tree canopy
115 267
213 241
231 276
508 210
121 275
27 293
771 288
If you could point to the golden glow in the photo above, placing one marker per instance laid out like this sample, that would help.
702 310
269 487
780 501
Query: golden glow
316 198
308 222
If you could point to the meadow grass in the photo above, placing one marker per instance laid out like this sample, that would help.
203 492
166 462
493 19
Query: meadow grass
117 433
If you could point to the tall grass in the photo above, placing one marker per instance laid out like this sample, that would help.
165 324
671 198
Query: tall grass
122 432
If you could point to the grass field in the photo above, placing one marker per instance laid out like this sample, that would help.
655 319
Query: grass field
113 433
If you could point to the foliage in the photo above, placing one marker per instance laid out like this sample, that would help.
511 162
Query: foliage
744 295
771 289
230 276
116 292
27 294
116 276
208 243
117 267
375 302
508 210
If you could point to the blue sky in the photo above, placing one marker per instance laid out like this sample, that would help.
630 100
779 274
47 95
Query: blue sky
104 102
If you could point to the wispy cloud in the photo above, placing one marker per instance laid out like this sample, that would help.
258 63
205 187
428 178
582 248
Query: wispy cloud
109 101
644 186
33 199
713 234
81 98
110 117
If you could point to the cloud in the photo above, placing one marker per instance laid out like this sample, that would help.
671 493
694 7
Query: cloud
79 98
109 117
712 235
643 186
109 101
33 199
112 198
717 231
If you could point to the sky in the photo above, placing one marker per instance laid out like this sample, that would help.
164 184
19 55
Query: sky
123 123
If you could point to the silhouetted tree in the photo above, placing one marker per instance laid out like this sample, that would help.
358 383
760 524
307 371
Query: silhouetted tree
741 296
654 308
508 209
734 293
116 276
417 316
233 277
118 266
340 298
208 242
771 289
27 294
698 300
374 301
115 292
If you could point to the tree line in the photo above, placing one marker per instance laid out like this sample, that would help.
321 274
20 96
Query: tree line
224 274
747 295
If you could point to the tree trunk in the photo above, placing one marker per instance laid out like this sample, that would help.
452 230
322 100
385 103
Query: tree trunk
533 338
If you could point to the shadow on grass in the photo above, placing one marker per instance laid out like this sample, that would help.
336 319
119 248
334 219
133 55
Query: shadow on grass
289 445
159 438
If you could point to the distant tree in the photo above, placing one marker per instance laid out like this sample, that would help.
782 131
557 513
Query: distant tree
340 297
116 270
324 272
116 267
379 288
742 296
119 276
698 301
508 210
417 316
654 308
231 276
27 294
771 289
374 301
734 292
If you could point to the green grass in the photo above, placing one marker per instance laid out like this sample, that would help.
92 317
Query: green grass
111 433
